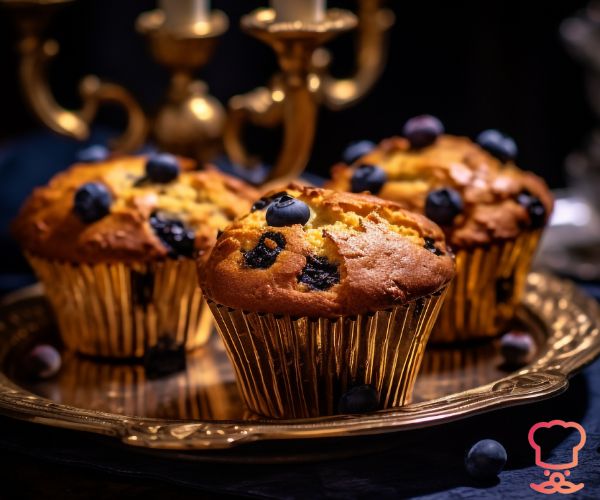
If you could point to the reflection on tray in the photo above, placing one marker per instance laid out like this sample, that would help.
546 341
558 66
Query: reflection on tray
205 390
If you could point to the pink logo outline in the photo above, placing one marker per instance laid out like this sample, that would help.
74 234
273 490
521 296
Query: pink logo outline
557 482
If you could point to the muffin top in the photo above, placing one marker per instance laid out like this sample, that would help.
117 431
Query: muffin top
320 253
476 197
130 209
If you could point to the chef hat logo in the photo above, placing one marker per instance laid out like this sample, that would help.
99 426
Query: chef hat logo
538 450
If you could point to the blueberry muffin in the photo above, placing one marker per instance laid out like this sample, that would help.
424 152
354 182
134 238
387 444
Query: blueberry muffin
114 243
316 293
492 213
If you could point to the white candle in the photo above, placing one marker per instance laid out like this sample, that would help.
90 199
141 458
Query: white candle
308 11
185 14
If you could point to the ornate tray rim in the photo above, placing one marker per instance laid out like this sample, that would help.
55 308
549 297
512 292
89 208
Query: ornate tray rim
571 318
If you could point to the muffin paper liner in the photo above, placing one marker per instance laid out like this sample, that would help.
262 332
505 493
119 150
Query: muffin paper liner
124 310
486 290
288 367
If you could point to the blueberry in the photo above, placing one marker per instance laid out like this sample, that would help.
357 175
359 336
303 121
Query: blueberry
265 253
93 154
319 273
368 178
517 348
486 459
162 168
498 144
174 235
42 362
356 150
265 201
422 131
287 210
359 399
92 202
443 205
430 245
535 209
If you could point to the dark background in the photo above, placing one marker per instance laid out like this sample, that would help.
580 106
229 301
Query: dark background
476 65
498 63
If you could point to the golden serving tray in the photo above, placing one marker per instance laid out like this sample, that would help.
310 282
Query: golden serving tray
200 409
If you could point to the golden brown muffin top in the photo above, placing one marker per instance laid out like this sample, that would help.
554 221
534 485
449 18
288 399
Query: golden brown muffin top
489 189
356 253
144 217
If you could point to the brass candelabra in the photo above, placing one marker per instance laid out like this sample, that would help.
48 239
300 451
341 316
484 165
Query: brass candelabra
192 122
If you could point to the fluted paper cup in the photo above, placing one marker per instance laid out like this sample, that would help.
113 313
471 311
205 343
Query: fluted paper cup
290 367
486 290
122 310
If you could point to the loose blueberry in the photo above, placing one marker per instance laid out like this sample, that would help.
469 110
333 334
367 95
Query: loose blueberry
174 235
486 459
356 150
319 273
162 168
359 399
443 205
42 362
422 131
498 144
430 245
535 209
368 178
92 202
287 210
93 154
517 348
265 253
265 201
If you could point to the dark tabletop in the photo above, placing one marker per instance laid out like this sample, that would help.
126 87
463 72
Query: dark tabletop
40 462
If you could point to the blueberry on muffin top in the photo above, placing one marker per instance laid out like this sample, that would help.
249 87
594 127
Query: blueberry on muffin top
130 209
473 190
338 254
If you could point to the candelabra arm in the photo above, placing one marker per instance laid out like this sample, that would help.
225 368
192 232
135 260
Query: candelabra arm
35 54
299 111
262 107
95 92
374 23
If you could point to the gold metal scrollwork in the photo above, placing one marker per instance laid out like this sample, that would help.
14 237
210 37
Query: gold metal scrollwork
36 52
